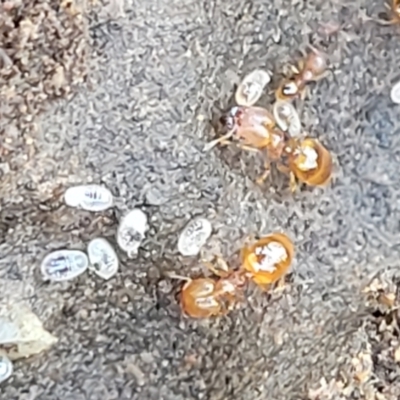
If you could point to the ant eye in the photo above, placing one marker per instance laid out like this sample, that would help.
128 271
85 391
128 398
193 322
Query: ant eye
227 121
223 120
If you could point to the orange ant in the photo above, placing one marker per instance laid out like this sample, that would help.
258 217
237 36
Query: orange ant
206 297
264 262
268 259
254 129
311 69
308 162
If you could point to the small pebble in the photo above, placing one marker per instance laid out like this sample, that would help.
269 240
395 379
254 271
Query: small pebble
103 259
395 93
131 232
194 236
89 197
251 88
6 368
64 265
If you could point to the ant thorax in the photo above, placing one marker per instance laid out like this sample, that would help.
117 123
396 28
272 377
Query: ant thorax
269 256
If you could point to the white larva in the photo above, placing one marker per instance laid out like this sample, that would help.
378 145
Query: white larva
395 93
93 198
64 265
103 259
287 118
194 236
6 368
131 232
251 88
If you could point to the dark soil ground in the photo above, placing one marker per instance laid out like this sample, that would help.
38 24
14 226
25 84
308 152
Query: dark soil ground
158 72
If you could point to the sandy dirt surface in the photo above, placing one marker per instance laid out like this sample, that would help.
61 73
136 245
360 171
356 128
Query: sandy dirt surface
159 71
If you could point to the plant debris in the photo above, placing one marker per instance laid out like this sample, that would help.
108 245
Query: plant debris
43 56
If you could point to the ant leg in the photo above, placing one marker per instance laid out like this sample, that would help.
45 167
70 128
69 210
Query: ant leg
247 148
296 70
262 178
382 22
224 311
281 285
283 168
303 95
293 182
220 272
386 23
211 267
245 251
172 275
264 286
223 265
324 75
222 141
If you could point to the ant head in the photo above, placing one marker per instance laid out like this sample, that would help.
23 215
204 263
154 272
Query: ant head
229 119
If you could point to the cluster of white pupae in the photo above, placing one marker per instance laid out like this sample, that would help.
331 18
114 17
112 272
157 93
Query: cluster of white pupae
101 258
63 265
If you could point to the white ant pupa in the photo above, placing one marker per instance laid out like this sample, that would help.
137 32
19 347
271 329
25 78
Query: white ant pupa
93 198
103 259
395 93
287 118
131 232
64 265
6 368
194 236
251 88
